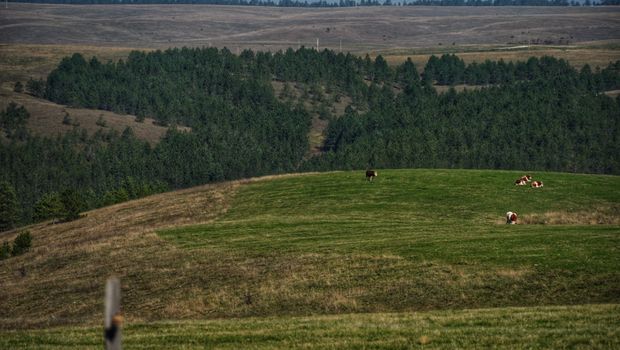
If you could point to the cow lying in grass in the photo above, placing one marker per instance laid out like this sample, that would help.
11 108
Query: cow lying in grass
523 180
511 218
537 184
370 174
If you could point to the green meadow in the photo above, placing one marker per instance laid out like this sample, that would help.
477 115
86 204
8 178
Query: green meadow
419 240
414 259
447 216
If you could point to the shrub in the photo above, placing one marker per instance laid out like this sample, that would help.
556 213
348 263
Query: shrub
101 122
67 119
22 243
5 250
19 87
36 87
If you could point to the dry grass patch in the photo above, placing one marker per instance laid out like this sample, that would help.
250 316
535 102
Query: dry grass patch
19 62
65 270
609 215
576 56
356 29
458 88
514 273
613 93
46 118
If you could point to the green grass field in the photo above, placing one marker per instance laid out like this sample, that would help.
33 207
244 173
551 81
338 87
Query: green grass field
574 327
330 260
455 217
421 240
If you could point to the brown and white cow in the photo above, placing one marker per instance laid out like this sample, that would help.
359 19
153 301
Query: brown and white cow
511 218
371 174
537 184
523 180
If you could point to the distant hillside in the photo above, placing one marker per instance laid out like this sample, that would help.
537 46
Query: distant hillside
46 118
351 29
329 243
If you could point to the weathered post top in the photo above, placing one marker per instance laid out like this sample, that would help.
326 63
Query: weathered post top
112 319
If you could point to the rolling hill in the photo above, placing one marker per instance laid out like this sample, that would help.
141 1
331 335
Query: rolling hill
279 249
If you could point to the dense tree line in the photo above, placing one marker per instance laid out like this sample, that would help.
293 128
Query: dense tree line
450 70
541 114
540 125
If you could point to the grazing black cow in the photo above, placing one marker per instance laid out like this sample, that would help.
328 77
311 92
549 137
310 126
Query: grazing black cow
371 174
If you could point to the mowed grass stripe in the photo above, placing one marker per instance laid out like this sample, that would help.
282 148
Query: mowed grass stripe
586 326
577 248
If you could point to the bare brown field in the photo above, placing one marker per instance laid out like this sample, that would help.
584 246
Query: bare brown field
354 29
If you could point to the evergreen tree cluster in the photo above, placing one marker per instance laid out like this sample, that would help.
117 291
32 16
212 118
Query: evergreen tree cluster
450 70
541 125
193 86
13 121
21 245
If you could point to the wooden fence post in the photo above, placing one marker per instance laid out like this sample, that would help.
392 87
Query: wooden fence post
113 319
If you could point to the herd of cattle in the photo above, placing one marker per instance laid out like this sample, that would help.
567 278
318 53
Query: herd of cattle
523 180
511 217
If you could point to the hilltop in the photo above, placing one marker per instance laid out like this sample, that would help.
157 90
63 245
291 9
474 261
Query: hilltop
328 243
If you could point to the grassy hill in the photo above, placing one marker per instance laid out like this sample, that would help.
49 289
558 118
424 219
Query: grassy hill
330 243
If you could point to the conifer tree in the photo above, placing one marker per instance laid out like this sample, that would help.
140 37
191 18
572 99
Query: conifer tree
9 207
